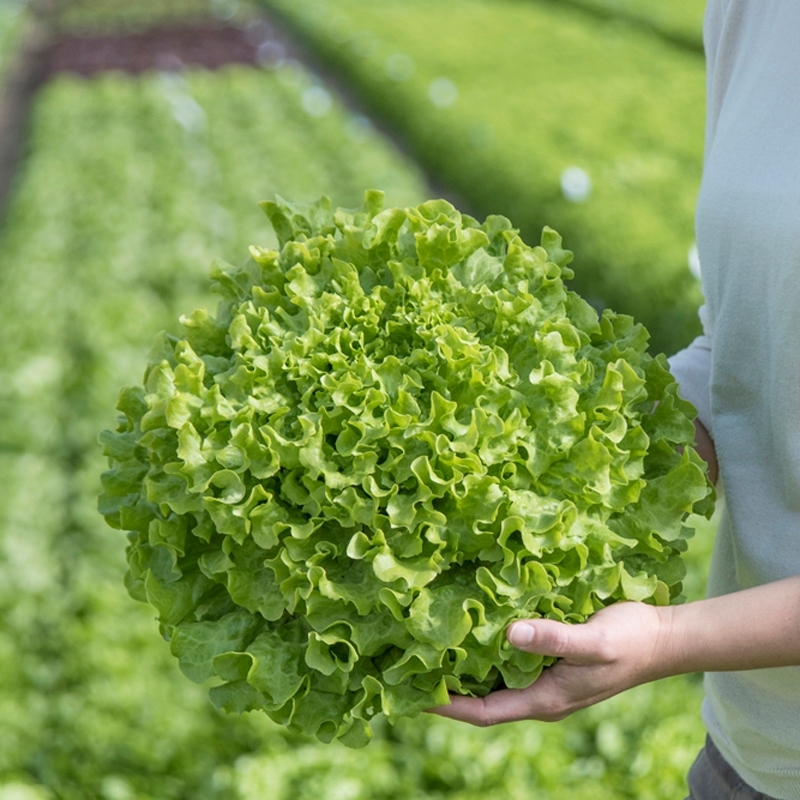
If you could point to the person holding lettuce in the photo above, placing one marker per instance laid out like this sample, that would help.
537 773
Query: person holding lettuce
743 375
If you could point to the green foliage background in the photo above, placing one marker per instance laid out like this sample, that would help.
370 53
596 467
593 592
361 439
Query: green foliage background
500 97
130 187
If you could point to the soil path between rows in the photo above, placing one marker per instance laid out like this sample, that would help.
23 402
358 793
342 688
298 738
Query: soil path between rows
209 46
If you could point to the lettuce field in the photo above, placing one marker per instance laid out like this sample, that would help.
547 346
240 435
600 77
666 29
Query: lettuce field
128 186
607 150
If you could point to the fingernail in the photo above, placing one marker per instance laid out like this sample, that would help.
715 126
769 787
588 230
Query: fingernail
520 634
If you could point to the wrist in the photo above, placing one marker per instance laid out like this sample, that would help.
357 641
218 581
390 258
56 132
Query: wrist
670 653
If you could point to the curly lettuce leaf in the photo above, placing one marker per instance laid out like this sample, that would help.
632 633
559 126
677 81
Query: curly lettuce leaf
399 433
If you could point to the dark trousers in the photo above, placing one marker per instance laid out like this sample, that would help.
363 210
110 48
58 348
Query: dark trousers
712 778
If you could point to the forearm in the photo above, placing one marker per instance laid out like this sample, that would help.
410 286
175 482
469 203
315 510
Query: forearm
704 445
750 629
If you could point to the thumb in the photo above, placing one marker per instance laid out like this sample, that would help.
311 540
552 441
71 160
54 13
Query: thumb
550 638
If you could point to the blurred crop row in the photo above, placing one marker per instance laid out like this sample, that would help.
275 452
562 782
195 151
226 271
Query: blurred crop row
131 185
549 115
11 22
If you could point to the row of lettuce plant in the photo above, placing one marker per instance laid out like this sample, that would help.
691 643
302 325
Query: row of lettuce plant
118 16
680 22
130 189
548 116
12 23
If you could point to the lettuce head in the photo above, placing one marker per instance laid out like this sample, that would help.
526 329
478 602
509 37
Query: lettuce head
399 433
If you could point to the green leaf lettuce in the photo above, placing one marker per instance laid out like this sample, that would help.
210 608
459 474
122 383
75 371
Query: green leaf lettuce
399 433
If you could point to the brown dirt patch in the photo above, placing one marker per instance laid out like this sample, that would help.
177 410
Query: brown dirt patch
209 46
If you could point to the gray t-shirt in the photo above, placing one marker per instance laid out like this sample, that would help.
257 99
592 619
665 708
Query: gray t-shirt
744 375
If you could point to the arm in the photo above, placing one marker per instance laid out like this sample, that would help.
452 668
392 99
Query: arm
705 449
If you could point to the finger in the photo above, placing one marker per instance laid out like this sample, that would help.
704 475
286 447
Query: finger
550 638
483 711
543 701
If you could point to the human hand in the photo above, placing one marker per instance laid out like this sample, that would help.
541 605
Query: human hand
619 647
